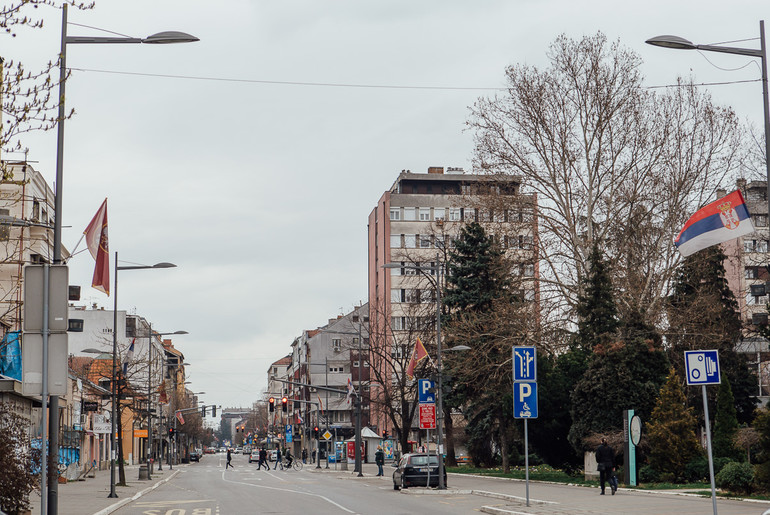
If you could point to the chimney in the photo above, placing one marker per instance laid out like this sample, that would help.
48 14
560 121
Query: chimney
436 169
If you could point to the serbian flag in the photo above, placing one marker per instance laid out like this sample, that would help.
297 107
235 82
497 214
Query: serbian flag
418 355
720 221
129 357
98 246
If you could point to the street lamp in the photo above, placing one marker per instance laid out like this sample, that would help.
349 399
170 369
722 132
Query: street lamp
679 43
114 354
438 269
159 38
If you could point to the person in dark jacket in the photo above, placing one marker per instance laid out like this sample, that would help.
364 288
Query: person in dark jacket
278 459
605 464
262 459
229 458
379 459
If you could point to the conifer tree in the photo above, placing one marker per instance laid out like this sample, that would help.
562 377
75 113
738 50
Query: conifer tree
671 430
725 423
703 314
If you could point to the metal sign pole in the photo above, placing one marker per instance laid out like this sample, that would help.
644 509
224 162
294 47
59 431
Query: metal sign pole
708 447
526 458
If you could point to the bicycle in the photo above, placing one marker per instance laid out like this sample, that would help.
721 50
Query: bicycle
295 464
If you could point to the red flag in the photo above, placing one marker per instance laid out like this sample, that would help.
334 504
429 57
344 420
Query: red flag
418 355
98 246
179 417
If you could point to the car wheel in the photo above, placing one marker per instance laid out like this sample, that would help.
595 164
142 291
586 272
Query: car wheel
403 483
395 486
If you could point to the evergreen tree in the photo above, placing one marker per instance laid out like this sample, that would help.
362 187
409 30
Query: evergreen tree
596 310
725 424
483 314
671 430
703 314
762 426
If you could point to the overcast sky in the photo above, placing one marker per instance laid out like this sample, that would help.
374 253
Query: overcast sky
258 184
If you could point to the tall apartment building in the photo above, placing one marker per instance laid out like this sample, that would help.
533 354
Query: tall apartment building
414 224
747 271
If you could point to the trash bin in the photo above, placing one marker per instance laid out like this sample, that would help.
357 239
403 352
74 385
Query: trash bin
144 474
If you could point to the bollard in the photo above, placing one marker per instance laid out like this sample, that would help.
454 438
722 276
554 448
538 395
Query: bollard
144 474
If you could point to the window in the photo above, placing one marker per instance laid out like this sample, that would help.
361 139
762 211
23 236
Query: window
395 241
396 295
336 370
439 241
425 241
397 323
439 213
412 270
454 214
760 220
752 299
336 343
757 195
528 270
395 213
425 214
754 245
35 210
413 296
397 351
410 214
410 241
498 216
469 214
751 272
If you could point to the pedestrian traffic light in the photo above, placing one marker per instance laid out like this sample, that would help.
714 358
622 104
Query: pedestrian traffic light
285 404
271 403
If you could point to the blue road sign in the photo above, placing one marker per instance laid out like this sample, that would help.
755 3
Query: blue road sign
288 434
525 400
426 391
702 367
524 364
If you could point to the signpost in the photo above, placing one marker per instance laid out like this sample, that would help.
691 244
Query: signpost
427 416
525 395
703 369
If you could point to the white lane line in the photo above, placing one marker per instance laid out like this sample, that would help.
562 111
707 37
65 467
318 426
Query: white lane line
290 491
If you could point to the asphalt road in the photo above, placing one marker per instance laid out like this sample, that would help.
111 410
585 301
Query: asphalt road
206 488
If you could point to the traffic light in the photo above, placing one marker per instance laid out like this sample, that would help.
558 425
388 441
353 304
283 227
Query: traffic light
316 434
271 403
213 411
171 432
203 411
384 434
285 404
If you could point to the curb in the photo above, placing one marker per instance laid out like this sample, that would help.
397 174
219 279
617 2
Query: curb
120 504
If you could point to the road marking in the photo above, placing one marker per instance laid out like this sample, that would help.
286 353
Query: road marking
160 504
300 492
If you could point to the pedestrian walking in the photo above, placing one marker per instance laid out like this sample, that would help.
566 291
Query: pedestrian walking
229 458
379 459
262 459
278 459
304 455
605 464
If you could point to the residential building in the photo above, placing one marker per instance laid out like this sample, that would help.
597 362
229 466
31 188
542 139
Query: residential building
414 224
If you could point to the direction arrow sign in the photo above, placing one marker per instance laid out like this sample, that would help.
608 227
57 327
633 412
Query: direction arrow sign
702 367
525 400
427 416
524 364
426 391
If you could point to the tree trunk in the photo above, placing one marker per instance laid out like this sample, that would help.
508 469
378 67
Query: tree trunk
451 461
503 445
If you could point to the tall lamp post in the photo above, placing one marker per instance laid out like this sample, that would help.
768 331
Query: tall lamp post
159 38
679 43
438 270
114 359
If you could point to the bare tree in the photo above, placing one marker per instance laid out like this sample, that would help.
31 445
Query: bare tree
609 161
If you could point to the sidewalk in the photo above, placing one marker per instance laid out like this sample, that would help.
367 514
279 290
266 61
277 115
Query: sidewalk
89 496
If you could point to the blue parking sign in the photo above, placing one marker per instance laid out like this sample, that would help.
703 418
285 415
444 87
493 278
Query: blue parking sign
525 400
524 364
426 391
702 367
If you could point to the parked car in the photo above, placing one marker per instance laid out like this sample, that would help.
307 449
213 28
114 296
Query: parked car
238 450
412 470
195 455
254 456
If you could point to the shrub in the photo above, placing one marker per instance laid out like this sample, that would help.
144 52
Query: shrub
697 469
16 461
647 474
736 477
719 464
